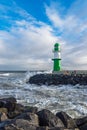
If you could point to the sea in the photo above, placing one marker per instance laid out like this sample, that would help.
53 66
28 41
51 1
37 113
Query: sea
68 98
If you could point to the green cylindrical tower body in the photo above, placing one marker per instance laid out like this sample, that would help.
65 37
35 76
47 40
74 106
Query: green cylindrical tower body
57 58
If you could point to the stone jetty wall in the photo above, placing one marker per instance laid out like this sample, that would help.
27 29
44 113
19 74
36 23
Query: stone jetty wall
57 79
14 116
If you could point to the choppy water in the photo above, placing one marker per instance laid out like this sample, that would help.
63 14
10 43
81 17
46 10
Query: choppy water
68 98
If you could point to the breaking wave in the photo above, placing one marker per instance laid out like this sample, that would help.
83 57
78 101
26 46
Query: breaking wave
68 98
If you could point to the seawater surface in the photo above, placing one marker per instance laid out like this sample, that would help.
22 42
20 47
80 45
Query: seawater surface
68 98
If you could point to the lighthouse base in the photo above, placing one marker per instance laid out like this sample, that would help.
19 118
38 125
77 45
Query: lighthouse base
57 65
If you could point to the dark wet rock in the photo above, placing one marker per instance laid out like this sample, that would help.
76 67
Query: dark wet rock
56 128
12 115
17 111
42 128
31 117
55 79
12 127
3 110
47 118
83 127
40 79
19 107
31 109
8 103
5 123
25 124
82 123
66 119
3 117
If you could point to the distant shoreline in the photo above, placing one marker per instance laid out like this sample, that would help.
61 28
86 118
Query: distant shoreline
53 72
12 71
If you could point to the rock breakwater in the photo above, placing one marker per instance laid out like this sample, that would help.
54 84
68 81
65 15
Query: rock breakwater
14 116
57 79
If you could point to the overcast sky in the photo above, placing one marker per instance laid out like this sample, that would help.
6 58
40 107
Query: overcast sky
29 29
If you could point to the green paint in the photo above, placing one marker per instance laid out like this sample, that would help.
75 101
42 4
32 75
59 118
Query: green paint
57 62
57 65
56 47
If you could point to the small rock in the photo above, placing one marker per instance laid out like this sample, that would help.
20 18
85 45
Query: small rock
4 110
3 117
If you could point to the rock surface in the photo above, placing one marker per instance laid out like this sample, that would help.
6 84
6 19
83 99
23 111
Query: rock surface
47 118
29 118
67 120
55 79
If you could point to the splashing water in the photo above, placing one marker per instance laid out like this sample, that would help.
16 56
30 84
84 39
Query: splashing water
68 98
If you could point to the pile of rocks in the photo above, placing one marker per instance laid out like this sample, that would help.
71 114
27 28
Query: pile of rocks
14 116
57 79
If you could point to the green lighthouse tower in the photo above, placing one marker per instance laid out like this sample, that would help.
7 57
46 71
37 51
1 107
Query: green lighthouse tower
57 57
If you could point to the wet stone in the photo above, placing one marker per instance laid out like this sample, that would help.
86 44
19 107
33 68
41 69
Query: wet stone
30 117
30 109
47 118
42 128
3 110
25 124
12 127
66 119
3 117
56 79
8 103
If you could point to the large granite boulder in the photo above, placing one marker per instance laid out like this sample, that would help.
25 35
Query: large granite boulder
47 118
82 123
8 103
14 116
24 124
30 117
19 109
66 119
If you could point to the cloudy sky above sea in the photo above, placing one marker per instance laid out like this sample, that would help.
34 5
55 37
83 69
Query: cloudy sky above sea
29 29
